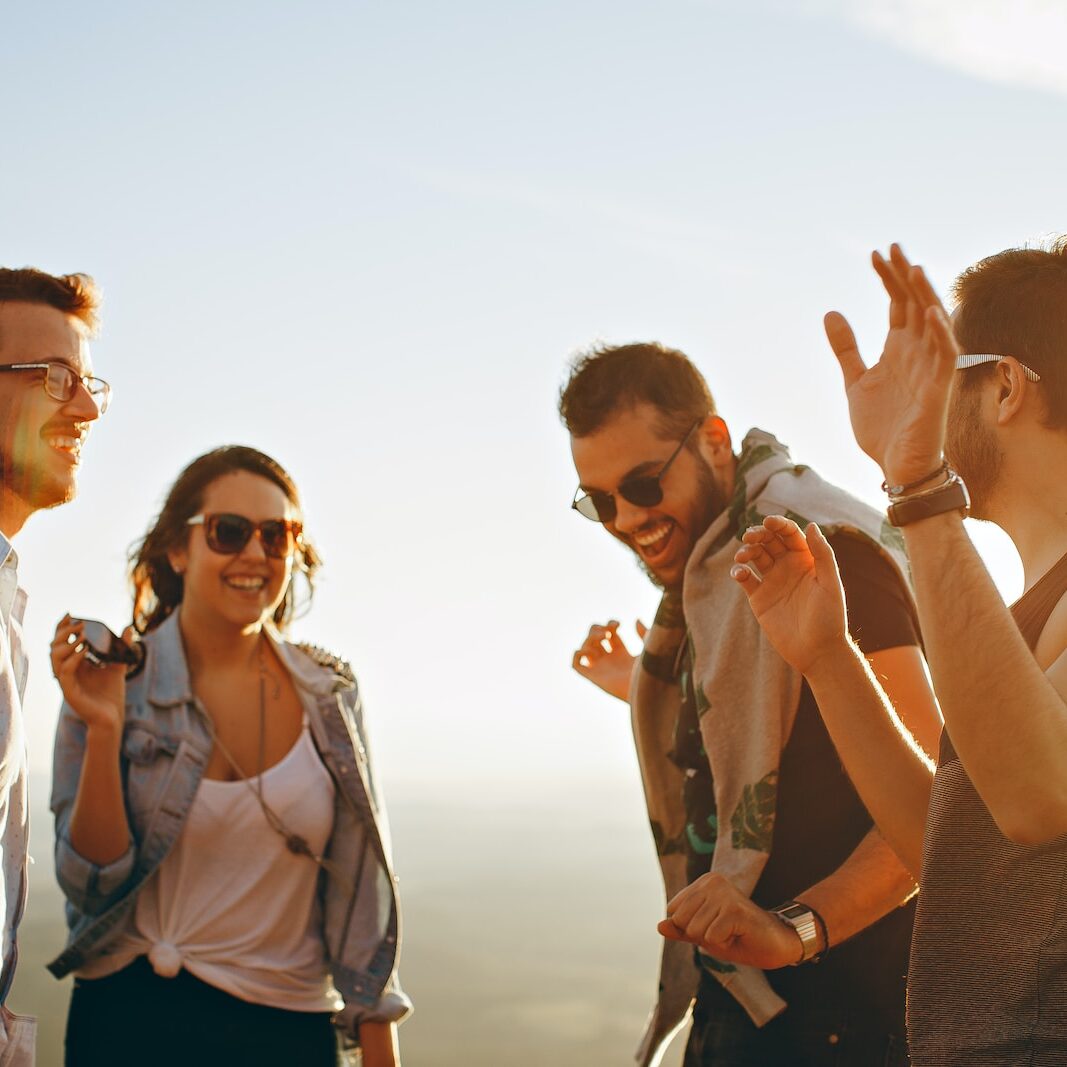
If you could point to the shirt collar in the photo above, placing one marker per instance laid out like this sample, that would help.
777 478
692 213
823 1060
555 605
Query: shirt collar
8 556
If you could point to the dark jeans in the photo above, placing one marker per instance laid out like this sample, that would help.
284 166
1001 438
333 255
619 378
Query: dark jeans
828 1036
134 1017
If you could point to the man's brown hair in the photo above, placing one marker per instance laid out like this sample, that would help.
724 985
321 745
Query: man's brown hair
74 294
1015 304
608 379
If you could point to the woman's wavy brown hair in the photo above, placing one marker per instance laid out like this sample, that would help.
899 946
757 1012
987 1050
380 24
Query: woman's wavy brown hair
157 587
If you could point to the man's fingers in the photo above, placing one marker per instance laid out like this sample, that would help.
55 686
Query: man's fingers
921 289
756 556
641 629
745 578
843 342
787 532
895 286
668 930
822 553
943 340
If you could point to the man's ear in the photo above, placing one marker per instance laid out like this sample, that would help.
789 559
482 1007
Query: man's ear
715 443
1013 388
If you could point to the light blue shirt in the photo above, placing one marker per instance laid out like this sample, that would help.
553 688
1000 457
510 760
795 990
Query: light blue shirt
15 1033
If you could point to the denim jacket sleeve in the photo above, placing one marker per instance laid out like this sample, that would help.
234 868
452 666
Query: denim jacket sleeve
91 888
392 1004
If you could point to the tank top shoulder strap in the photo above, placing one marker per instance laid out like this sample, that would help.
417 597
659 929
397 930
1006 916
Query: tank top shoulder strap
1032 610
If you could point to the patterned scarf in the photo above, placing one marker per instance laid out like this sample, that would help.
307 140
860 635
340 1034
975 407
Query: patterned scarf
747 698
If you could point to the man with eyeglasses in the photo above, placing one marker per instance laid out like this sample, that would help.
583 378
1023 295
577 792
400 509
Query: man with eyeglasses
48 401
768 856
975 405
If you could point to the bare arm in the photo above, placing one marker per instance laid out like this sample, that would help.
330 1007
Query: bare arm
800 605
891 773
715 915
380 1044
804 621
1007 719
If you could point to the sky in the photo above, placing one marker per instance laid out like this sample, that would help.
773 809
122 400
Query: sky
366 237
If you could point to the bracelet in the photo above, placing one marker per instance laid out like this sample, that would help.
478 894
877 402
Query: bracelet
950 476
901 490
951 495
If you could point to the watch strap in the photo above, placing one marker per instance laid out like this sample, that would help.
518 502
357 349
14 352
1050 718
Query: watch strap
952 496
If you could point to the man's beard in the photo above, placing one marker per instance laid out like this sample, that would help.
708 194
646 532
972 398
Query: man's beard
29 480
971 450
711 496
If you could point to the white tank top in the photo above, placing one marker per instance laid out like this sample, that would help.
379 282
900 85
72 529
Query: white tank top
230 903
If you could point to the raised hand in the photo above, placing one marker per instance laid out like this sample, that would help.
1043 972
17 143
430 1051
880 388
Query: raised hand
899 406
97 694
605 660
799 603
715 915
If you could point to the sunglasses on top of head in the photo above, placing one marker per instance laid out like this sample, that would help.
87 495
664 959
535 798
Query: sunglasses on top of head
228 534
644 491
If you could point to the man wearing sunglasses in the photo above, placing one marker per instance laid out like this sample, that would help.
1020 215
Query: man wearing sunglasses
977 403
48 401
768 856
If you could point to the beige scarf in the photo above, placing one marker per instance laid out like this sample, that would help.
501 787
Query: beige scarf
747 698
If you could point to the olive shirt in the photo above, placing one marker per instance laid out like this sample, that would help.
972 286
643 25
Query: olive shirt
820 819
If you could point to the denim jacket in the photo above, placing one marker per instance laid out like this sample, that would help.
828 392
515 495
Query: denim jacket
165 748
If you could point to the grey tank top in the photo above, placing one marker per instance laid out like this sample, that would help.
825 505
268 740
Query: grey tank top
988 979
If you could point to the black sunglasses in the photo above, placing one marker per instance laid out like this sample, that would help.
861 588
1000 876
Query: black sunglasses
102 647
228 534
644 491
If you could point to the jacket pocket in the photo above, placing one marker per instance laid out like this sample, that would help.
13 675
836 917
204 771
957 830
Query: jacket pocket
147 754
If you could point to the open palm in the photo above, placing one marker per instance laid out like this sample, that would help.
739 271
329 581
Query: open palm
899 406
799 602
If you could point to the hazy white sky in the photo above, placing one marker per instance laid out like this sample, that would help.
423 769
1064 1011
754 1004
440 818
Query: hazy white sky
365 237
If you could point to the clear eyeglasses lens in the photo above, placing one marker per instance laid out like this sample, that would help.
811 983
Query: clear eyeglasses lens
61 382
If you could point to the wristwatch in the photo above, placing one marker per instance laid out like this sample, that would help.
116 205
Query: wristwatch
801 919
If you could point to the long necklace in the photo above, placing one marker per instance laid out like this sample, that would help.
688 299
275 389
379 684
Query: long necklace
296 844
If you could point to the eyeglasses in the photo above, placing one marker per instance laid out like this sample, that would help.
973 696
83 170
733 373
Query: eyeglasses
228 534
965 361
645 490
61 382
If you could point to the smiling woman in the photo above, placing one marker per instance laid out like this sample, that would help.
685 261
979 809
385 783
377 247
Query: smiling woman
219 838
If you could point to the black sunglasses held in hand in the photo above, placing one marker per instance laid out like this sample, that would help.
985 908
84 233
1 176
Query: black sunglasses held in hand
228 534
103 647
643 491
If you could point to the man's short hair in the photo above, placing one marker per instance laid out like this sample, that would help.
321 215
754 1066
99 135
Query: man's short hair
609 379
1015 304
74 294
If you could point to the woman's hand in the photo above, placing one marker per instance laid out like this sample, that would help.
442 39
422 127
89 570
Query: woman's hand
97 694
379 1044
